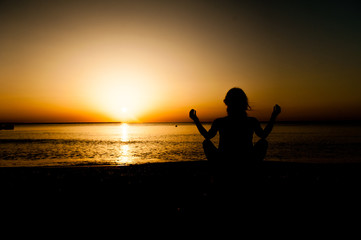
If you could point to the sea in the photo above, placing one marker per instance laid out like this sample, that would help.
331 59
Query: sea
121 144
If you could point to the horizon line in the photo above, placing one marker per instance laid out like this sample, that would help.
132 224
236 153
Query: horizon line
109 122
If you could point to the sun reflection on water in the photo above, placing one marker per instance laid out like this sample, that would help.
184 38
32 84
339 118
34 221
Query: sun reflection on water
124 151
124 132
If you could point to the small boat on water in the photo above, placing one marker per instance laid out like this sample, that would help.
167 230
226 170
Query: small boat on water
6 126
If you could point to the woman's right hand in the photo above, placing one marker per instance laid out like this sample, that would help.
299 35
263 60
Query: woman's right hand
193 115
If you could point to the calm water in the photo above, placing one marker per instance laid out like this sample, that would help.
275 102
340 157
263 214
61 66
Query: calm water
122 144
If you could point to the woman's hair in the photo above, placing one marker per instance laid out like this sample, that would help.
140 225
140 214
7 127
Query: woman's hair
236 100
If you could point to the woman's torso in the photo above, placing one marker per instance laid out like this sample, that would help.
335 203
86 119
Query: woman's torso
236 136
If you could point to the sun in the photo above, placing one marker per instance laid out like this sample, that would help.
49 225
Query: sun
123 95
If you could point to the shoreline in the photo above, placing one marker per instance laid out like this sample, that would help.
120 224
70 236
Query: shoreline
334 170
304 162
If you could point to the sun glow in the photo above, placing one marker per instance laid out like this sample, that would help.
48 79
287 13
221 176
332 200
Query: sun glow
121 95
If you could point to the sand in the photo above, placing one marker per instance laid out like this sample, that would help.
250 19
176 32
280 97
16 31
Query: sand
183 189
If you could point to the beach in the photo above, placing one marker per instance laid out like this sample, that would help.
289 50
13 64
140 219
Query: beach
183 189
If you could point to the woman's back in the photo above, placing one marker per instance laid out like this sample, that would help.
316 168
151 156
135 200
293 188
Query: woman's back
236 137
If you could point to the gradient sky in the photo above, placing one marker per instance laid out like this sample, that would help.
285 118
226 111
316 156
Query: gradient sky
69 61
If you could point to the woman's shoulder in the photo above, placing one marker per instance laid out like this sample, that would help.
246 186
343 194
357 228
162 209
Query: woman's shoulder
226 120
220 120
252 120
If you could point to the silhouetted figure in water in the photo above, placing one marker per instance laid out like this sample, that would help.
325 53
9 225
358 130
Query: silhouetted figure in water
235 134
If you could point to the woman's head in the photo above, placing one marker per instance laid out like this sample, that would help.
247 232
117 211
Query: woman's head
236 101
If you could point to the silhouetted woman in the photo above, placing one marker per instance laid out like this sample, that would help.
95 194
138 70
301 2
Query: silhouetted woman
236 133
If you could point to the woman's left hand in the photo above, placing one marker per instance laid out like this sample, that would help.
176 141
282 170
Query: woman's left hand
193 114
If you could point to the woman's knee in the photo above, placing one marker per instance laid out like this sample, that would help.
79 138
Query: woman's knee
210 150
260 150
262 144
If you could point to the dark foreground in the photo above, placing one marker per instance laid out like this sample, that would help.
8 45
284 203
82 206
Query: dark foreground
272 192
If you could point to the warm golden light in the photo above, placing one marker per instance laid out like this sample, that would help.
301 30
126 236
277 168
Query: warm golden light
124 132
121 95
124 151
153 61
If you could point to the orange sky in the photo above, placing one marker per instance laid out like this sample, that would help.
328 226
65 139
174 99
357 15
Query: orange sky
70 61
